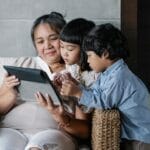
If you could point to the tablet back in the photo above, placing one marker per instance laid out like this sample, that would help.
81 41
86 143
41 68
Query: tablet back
32 81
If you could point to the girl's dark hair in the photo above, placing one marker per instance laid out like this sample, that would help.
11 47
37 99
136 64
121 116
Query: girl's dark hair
54 19
74 32
106 37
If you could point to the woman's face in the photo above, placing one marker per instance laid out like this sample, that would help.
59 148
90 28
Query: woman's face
47 43
70 52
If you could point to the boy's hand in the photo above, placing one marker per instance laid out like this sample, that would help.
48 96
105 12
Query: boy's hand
69 88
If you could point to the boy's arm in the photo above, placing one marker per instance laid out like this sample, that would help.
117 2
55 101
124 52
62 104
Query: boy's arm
93 97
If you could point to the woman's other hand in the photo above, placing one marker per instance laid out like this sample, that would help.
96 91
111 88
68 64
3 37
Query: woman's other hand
8 84
8 94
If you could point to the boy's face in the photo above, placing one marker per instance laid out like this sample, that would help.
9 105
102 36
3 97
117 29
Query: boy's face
70 52
97 63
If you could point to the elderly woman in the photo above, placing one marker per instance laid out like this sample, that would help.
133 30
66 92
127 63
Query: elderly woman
28 125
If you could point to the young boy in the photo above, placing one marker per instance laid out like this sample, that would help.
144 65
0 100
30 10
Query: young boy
116 87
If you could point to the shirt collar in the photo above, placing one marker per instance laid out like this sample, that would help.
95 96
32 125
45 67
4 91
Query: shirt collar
113 67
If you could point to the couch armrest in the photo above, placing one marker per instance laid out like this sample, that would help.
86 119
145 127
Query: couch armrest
106 130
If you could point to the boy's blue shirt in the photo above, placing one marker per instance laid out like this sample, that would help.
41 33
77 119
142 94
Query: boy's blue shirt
117 87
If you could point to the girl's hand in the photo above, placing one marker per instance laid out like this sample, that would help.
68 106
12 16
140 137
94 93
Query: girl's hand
57 81
59 78
70 88
57 112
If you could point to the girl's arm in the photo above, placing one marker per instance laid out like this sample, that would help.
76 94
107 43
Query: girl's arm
8 93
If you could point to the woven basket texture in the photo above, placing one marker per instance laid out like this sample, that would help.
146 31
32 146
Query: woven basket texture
106 130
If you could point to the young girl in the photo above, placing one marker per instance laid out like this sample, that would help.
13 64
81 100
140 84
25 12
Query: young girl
117 87
71 38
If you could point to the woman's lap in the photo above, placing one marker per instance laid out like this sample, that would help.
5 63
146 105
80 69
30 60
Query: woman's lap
53 139
11 139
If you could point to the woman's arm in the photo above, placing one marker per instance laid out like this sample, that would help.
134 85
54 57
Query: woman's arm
8 93
78 125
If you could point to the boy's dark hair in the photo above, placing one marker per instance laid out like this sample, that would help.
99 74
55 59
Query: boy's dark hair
55 20
74 32
106 37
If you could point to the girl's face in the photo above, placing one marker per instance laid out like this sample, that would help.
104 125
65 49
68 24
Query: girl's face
97 63
70 52
47 43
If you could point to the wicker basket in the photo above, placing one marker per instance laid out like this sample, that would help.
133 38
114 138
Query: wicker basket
106 130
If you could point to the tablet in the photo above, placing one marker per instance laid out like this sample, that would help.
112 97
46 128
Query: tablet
32 81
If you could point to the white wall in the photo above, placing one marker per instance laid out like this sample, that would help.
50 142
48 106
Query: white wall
17 16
